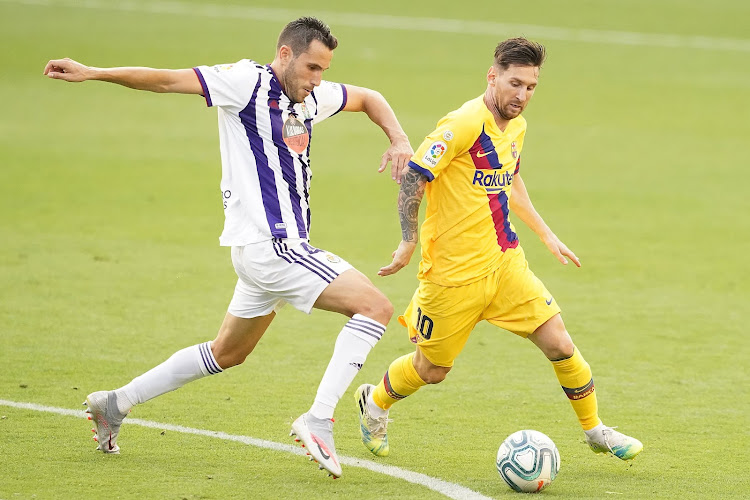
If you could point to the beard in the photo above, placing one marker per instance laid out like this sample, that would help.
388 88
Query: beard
291 89
507 115
501 111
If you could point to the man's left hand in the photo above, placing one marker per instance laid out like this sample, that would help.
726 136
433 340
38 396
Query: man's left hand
399 155
560 250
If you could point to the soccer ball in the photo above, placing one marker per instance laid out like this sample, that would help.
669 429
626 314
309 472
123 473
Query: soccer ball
528 461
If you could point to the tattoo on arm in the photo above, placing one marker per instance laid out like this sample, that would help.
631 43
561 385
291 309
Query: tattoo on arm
409 199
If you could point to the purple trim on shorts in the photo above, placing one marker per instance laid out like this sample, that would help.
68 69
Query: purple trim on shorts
206 94
327 279
279 252
315 263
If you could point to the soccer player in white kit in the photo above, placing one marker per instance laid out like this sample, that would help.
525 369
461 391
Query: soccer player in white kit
266 117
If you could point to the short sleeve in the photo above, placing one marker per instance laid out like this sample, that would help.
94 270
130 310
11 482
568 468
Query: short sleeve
330 98
451 138
228 85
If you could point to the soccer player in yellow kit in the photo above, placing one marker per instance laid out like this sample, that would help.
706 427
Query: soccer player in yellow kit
472 266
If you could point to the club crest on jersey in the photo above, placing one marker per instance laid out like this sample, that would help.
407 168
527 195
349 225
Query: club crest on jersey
295 135
434 153
305 111
513 150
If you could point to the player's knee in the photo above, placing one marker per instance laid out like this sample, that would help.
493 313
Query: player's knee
435 374
562 349
227 358
377 307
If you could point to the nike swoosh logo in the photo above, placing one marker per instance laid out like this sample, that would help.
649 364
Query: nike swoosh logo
317 440
323 453
482 155
549 302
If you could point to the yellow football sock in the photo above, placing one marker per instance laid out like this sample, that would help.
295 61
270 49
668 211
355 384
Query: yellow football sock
576 380
399 381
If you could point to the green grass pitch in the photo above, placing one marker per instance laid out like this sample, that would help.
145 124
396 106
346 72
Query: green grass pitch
636 155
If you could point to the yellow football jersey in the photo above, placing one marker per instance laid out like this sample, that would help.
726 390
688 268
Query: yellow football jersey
470 164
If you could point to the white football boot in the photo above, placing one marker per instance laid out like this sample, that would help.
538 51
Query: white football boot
316 435
373 430
102 406
603 439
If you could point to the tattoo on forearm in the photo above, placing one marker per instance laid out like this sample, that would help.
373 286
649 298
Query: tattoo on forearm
409 199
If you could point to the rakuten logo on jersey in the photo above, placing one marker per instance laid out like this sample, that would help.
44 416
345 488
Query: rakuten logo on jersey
492 179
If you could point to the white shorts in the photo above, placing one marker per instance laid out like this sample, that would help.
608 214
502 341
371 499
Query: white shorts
274 272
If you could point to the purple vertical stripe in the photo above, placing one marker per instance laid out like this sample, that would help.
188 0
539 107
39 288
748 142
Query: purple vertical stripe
489 147
206 94
286 160
510 236
265 173
305 169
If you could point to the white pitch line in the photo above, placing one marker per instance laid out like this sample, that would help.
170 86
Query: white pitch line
405 23
450 490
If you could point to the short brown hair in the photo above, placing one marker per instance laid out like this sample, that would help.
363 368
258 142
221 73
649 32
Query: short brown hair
519 51
299 34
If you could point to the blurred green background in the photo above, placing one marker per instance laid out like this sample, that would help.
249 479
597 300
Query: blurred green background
636 155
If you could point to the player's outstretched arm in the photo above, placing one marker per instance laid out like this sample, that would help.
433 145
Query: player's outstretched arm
409 199
380 112
521 205
180 81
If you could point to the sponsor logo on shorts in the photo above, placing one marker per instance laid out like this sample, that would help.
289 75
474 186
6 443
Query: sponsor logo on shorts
549 302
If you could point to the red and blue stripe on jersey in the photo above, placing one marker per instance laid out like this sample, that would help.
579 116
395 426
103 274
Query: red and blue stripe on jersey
485 157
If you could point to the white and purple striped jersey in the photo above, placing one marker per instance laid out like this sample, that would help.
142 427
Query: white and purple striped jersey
265 149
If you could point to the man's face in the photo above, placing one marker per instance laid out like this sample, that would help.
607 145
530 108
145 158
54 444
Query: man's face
304 72
512 88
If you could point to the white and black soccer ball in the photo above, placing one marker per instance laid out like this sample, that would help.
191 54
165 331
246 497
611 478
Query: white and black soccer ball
528 461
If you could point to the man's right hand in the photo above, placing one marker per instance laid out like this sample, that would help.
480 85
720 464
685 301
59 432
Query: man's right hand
401 258
67 69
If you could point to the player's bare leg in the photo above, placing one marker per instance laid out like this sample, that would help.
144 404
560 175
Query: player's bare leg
577 381
354 296
236 339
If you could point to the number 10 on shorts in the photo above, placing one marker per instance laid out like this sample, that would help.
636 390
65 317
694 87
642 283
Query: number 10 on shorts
424 324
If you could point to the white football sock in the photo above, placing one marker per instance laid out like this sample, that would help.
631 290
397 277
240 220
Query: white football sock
374 409
184 366
353 344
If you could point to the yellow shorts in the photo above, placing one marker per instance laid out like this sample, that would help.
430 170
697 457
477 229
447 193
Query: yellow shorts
439 319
